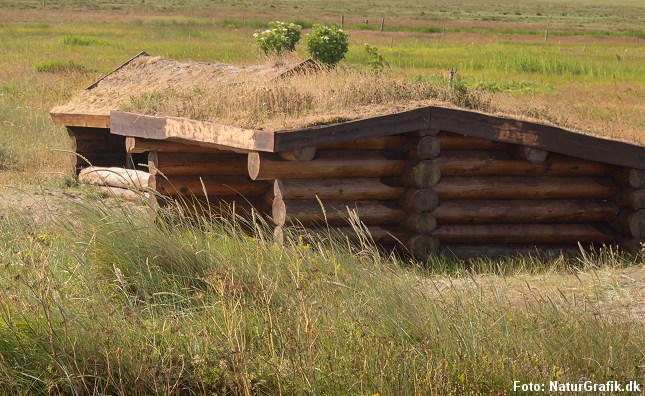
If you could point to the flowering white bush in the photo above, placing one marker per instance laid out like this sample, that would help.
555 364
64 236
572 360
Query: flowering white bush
278 38
327 44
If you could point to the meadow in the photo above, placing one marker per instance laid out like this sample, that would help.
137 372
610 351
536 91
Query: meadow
100 299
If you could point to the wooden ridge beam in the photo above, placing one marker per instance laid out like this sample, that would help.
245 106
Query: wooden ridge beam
540 136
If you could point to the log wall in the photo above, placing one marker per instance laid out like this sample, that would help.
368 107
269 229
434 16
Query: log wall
95 147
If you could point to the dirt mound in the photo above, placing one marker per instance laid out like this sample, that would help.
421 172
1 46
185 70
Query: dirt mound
147 74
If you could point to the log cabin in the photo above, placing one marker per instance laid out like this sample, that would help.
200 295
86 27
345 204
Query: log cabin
431 179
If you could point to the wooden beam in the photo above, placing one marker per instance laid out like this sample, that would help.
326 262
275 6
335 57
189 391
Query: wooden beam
190 131
140 145
334 212
632 178
455 141
632 199
80 120
213 164
465 252
539 187
329 164
424 174
525 211
336 189
300 154
381 235
557 234
211 186
483 164
391 142
544 137
390 124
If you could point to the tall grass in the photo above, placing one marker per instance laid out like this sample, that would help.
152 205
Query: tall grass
113 302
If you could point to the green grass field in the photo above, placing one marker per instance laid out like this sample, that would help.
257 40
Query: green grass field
102 300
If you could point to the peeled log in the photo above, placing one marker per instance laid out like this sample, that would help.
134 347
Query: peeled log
422 246
140 145
329 164
393 142
465 252
427 147
380 235
221 164
127 194
115 177
481 164
557 234
424 174
633 178
451 141
421 200
336 189
311 212
422 223
526 211
211 186
509 187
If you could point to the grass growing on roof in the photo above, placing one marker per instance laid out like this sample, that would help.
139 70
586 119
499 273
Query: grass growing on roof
110 301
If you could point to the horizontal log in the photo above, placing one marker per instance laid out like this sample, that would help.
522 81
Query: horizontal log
380 235
311 212
482 164
115 177
299 154
329 164
631 223
422 246
632 199
211 186
509 187
140 145
336 189
419 200
393 142
421 223
220 164
453 141
139 197
200 206
465 252
521 234
426 147
98 146
633 178
525 211
424 174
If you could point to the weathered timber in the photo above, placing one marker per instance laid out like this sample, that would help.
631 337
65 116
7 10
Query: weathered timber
482 164
385 236
426 147
334 212
419 200
190 131
465 252
393 142
633 178
545 137
216 164
422 223
336 189
532 155
299 154
631 223
126 194
454 141
80 120
211 186
115 177
510 187
140 145
424 174
329 164
391 124
422 246
525 211
87 134
632 199
521 233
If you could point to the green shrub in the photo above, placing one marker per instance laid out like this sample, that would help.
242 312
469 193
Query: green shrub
280 37
327 44
374 58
